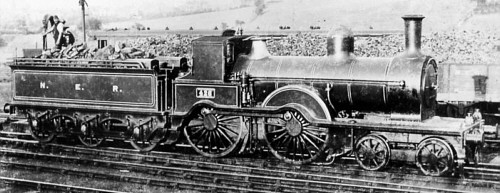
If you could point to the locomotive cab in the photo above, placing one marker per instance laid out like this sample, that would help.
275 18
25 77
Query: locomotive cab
214 57
209 79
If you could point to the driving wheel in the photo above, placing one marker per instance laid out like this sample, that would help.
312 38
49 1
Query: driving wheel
293 139
214 135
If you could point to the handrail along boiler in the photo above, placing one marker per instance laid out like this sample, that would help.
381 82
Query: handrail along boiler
234 97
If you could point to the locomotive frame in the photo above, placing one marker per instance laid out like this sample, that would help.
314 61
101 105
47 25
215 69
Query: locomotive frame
235 97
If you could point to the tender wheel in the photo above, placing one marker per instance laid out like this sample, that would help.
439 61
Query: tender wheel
434 157
62 123
145 137
372 152
91 133
41 128
214 135
292 139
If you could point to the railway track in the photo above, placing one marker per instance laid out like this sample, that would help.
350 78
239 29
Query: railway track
484 171
170 181
485 175
220 179
316 178
227 177
156 157
45 186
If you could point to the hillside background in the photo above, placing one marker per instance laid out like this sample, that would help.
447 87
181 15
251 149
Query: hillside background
20 20
26 15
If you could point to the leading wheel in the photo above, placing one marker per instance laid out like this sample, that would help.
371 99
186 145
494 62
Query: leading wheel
213 135
372 152
41 128
294 140
434 157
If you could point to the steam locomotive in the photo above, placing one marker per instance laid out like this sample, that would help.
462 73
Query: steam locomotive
232 96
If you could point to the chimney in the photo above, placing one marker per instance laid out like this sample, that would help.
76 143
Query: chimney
259 49
340 42
413 33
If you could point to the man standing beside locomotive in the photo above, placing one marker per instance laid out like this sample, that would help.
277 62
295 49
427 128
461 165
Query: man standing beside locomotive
57 29
58 32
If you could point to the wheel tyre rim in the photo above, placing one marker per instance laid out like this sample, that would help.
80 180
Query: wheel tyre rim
430 156
142 144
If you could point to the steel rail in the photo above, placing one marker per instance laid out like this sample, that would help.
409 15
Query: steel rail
41 186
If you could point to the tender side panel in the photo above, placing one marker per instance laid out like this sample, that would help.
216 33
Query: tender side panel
84 88
189 94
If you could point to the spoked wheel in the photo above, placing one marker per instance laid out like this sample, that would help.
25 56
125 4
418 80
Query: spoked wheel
292 139
434 157
145 137
41 128
214 135
372 152
91 133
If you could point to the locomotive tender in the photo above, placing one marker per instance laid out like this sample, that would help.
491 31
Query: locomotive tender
233 96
